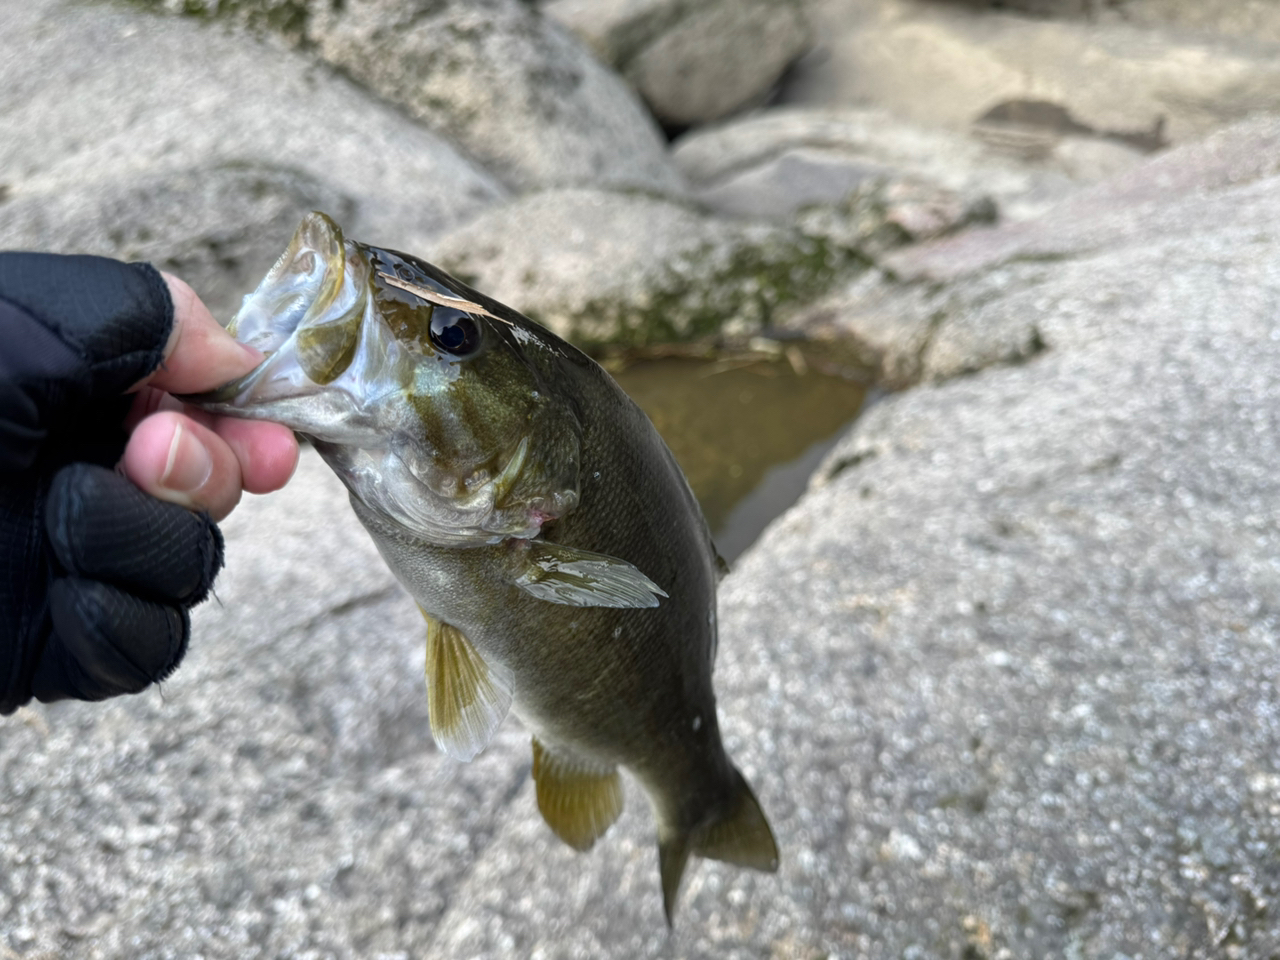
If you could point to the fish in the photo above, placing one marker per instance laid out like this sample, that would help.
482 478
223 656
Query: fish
530 508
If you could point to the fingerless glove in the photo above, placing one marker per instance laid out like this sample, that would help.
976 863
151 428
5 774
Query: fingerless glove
96 577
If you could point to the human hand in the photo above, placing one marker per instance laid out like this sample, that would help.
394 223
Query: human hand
97 576
190 457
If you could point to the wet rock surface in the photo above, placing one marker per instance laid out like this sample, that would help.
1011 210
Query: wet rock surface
1004 679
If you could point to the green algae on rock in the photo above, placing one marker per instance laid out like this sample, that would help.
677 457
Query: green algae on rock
287 17
608 268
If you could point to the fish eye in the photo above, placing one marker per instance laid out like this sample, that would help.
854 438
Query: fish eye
454 332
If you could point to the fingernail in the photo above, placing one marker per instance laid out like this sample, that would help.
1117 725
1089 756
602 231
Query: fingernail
189 464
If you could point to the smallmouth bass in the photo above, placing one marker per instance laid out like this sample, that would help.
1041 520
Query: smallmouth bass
562 564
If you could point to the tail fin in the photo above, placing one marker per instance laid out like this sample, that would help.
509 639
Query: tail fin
740 835
673 856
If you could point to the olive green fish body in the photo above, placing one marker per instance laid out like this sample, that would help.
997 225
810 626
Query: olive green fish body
541 524
655 662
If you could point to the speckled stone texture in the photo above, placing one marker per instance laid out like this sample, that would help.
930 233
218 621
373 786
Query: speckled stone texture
199 147
947 64
511 88
1004 681
692 62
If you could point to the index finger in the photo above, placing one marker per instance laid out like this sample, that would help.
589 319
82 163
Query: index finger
200 355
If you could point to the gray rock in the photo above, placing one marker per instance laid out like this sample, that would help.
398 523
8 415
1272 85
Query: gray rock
1101 216
945 65
924 323
1004 681
692 62
771 163
601 267
1089 159
219 228
510 87
1254 20
201 148
1043 8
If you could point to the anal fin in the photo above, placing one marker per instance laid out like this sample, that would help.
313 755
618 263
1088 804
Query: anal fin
467 699
579 800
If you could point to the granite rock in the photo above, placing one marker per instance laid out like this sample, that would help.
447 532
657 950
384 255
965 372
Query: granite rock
509 86
692 62
948 65
773 162
599 267
218 227
201 148
1251 20
918 312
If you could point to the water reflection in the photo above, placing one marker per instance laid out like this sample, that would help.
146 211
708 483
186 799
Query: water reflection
747 431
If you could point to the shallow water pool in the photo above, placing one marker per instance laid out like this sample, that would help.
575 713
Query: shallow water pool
748 430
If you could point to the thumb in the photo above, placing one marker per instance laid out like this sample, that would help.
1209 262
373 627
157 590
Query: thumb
199 355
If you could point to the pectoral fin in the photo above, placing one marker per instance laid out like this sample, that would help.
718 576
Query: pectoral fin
578 799
466 698
579 578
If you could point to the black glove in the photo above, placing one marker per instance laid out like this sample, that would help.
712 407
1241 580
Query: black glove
96 577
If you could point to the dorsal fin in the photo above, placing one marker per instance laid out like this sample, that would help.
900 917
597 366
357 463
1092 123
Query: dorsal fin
467 699
578 799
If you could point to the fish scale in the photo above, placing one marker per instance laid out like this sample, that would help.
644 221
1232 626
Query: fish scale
559 557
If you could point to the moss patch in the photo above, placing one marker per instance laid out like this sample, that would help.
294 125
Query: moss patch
738 287
287 17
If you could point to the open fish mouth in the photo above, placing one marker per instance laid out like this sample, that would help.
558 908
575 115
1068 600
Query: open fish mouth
332 370
306 316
